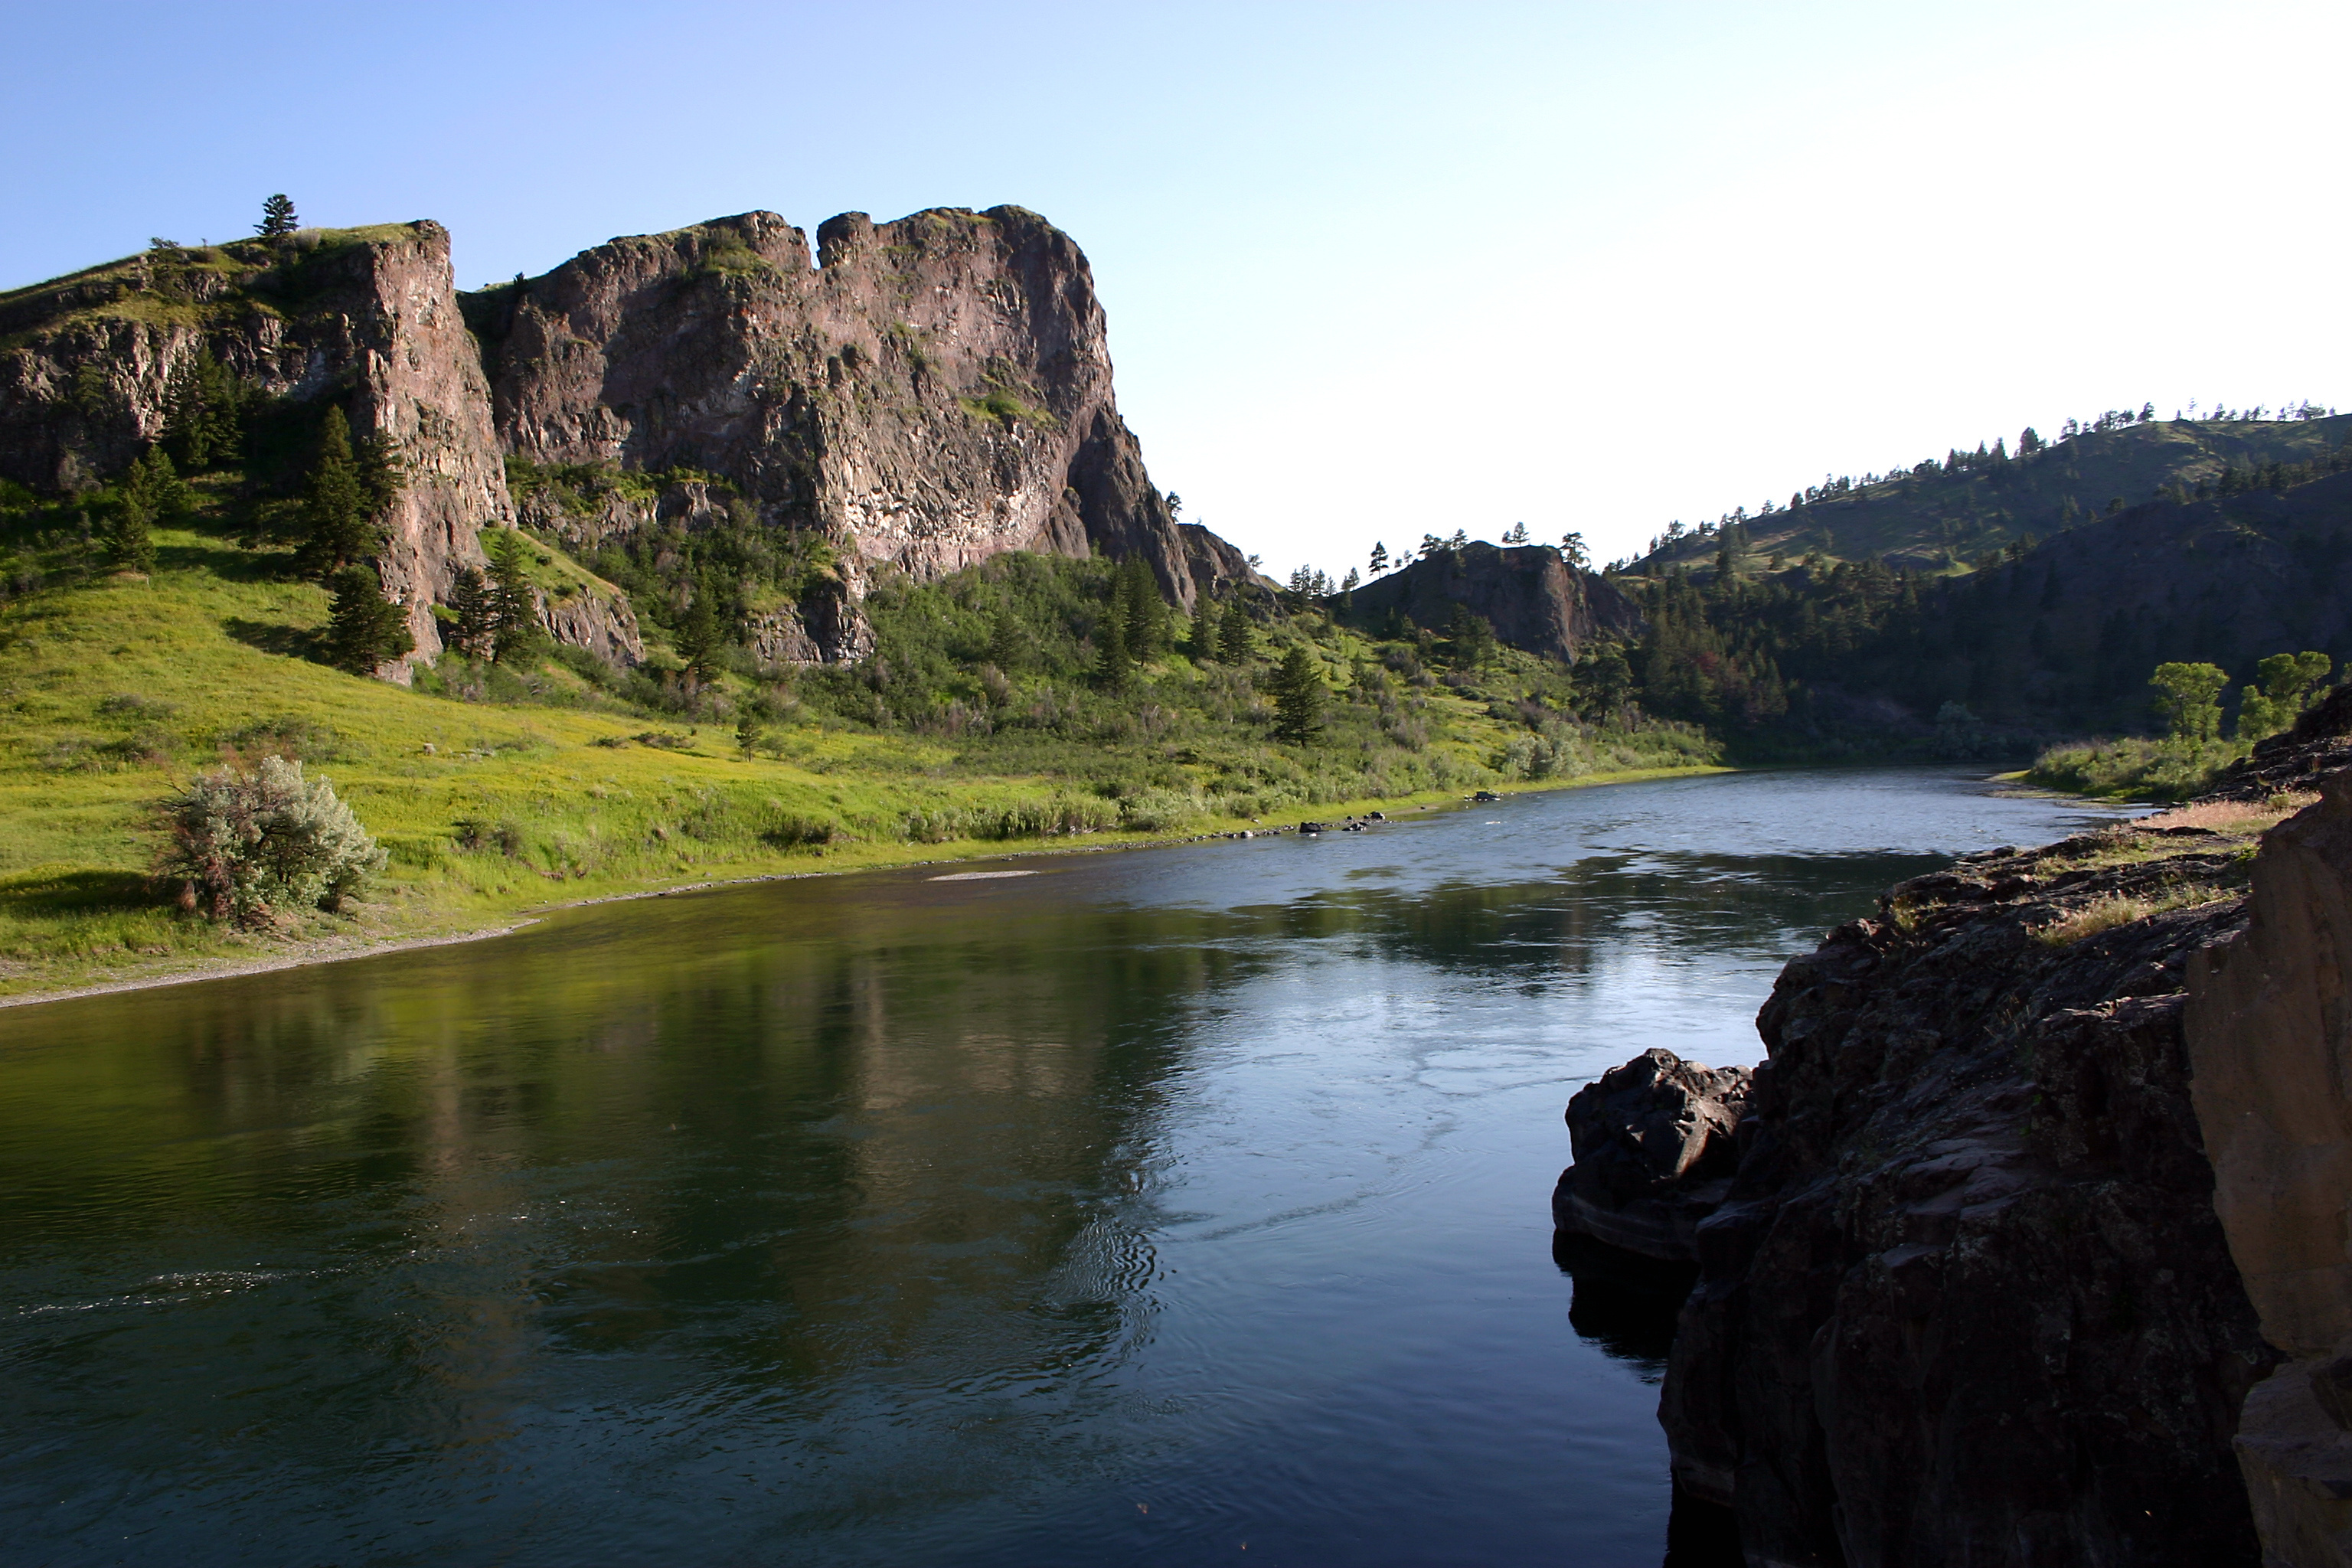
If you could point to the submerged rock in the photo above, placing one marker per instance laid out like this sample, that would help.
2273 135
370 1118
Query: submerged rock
1654 1144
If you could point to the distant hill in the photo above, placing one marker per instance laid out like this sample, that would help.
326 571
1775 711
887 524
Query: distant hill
1948 515
2056 640
2070 631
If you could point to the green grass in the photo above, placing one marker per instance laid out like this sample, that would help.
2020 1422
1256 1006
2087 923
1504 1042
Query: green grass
568 784
2136 769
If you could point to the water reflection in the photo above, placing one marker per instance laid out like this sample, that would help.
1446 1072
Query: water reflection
1121 1212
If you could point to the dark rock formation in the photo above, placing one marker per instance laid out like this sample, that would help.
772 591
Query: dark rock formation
1532 599
1967 1300
2271 1046
936 391
1654 1143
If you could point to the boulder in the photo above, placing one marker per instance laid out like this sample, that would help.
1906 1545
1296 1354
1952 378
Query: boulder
1655 1145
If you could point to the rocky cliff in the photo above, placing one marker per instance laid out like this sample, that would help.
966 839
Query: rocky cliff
1532 599
930 393
1966 1299
2271 1047
364 318
2041 1203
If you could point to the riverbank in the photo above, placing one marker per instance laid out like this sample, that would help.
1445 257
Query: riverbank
372 930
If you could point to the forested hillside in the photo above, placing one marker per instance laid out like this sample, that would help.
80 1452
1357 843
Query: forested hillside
1950 513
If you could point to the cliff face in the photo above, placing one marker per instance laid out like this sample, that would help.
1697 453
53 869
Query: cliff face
934 392
364 316
2270 1044
1968 1300
1526 594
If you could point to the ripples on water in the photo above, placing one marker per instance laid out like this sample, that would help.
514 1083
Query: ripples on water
1162 1207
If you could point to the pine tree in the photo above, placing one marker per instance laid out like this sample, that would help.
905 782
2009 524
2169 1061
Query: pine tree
364 629
202 410
473 626
2189 695
1379 559
1469 637
1197 641
150 491
1008 643
383 470
1143 610
341 532
700 642
1236 643
276 217
514 609
1298 696
1113 668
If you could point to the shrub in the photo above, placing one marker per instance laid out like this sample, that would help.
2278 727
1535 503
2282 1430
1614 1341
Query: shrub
2132 768
287 735
473 833
791 831
243 844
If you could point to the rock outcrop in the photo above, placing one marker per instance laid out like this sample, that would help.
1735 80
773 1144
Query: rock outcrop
1655 1145
1966 1299
937 391
2270 1043
367 318
933 392
1532 599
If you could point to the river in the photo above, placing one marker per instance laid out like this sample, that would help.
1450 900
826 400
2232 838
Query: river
1165 1206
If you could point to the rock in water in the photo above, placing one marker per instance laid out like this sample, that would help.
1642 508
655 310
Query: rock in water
1656 1146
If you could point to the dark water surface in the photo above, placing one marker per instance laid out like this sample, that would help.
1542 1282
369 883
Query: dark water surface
1128 1212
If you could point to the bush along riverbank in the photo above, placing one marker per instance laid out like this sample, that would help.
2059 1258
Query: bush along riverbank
1966 1284
2191 757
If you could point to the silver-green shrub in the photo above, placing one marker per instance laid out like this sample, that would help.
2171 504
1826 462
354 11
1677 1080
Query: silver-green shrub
245 844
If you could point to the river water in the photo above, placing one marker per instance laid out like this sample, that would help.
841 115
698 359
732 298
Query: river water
1162 1207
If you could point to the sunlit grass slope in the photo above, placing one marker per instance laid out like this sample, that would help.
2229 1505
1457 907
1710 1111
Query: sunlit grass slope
113 689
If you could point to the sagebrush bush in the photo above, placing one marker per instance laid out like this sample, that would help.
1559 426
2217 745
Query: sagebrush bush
247 845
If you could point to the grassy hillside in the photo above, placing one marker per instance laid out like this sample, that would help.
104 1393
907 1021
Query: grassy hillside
497 789
1949 514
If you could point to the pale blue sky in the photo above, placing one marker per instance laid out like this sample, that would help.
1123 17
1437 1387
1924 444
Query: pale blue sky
1372 271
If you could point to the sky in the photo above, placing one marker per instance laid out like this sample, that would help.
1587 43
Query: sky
1372 270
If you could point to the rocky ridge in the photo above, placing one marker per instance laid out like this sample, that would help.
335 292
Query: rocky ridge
930 393
1533 599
